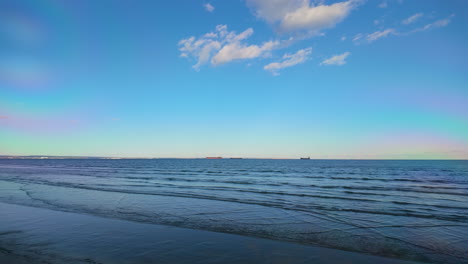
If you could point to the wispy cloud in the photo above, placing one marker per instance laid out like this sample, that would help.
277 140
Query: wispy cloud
437 24
360 38
301 15
357 37
337 59
380 34
289 60
209 7
378 21
371 37
412 19
3 117
383 4
222 46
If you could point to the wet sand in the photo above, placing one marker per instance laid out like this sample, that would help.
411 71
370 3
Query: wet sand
33 235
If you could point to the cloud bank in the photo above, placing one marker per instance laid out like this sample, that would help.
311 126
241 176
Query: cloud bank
299 20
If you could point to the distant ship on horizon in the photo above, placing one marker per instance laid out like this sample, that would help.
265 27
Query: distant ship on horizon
214 157
308 158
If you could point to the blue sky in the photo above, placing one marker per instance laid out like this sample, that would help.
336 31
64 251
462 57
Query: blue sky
251 78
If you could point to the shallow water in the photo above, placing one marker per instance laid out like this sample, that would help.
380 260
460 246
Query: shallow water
37 236
415 210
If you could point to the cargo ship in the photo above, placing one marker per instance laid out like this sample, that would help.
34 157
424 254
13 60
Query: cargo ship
308 158
214 157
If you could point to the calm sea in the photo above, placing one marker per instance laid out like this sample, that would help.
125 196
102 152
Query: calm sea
416 210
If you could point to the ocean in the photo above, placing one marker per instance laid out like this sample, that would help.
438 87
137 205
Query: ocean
409 210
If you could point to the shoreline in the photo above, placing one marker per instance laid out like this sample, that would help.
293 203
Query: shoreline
226 157
44 235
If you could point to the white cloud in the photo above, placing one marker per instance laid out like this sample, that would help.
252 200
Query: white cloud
316 18
383 4
412 19
273 11
289 60
301 15
222 46
237 50
209 7
436 24
357 37
380 34
337 59
343 38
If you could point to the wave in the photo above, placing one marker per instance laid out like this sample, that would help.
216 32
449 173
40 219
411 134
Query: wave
311 207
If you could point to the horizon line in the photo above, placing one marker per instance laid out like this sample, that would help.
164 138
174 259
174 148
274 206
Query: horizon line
206 157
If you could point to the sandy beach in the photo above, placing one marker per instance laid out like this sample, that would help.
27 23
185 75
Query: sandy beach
33 235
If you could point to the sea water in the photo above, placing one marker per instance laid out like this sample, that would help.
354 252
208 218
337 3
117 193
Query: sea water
414 210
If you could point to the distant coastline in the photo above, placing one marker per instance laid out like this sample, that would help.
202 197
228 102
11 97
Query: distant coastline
56 157
44 157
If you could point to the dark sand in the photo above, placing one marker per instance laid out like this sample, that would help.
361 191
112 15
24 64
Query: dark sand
32 235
